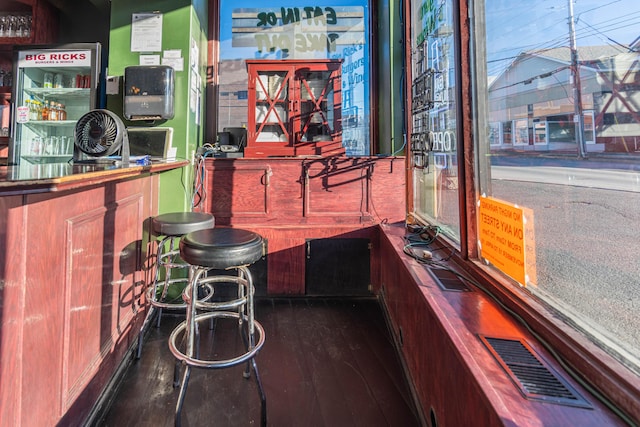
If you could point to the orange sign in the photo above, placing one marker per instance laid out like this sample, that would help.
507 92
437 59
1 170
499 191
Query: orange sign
507 239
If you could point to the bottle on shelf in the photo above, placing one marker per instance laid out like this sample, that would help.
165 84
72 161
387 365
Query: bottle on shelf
38 115
62 115
45 111
33 111
53 111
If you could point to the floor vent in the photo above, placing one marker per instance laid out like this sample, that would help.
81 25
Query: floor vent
448 280
531 374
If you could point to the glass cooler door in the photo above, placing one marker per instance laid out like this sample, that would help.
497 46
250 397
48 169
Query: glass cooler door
53 89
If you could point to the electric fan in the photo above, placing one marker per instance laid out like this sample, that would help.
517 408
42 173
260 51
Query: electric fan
98 134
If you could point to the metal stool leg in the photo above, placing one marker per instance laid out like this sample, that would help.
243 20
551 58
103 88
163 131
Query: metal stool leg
263 397
245 292
151 310
183 392
191 336
250 308
168 265
143 328
167 260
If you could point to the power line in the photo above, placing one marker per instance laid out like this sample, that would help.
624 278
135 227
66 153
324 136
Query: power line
605 36
609 25
529 80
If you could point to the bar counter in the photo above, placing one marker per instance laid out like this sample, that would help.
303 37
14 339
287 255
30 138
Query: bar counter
73 265
28 178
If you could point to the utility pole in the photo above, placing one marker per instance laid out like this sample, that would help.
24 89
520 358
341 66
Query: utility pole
578 117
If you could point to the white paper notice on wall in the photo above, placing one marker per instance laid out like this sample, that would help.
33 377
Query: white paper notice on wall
173 58
176 63
146 32
172 53
149 60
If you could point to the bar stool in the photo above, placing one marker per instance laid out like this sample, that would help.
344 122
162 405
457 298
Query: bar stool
219 249
170 227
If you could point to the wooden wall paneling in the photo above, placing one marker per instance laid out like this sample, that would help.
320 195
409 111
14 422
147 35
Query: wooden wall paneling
387 201
45 23
87 326
356 191
148 244
290 200
442 383
131 213
285 263
46 311
452 372
337 188
78 314
105 309
129 209
13 248
239 190
285 189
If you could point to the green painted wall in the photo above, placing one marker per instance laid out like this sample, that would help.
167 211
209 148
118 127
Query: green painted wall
390 74
184 28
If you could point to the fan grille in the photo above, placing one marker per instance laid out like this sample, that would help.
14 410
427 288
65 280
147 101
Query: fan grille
97 133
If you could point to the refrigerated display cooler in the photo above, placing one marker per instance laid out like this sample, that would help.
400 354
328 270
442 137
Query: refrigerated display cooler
53 87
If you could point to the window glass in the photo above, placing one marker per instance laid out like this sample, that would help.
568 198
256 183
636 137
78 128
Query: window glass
434 134
333 30
557 85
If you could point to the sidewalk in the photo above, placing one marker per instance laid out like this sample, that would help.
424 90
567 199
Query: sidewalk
621 161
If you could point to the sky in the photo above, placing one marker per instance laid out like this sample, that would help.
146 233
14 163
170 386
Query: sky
514 26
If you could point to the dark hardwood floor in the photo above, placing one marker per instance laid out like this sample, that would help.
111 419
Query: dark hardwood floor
325 362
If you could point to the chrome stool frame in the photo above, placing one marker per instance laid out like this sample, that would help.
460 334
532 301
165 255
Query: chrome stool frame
171 227
209 247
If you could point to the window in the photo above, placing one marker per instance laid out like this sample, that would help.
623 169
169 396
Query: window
335 30
521 132
434 117
575 190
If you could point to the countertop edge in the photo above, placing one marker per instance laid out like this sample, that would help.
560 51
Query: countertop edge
83 179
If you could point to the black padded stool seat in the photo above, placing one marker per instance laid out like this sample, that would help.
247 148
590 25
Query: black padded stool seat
181 223
221 248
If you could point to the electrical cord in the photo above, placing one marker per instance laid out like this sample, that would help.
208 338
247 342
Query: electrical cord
412 242
199 185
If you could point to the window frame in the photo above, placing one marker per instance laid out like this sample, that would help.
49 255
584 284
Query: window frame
615 384
371 39
607 377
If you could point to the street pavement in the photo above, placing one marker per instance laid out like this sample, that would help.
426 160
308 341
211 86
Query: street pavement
587 228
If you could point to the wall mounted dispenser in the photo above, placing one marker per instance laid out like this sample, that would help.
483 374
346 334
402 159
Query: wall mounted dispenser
148 92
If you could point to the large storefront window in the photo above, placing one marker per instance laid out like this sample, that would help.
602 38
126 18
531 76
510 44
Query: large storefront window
560 211
434 134
309 74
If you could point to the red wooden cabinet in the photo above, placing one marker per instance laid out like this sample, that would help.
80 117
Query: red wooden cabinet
294 108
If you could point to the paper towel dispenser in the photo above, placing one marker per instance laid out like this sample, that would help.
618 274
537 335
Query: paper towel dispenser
148 92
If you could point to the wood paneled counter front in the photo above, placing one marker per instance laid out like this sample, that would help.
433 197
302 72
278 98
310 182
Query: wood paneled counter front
318 216
73 240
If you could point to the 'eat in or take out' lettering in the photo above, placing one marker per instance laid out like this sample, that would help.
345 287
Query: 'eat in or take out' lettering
313 14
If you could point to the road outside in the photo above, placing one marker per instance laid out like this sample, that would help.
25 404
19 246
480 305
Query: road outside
587 226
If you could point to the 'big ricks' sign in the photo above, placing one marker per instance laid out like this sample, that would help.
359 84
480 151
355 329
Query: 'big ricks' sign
53 58
306 31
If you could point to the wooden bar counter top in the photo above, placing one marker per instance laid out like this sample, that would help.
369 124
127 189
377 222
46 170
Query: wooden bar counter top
30 178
